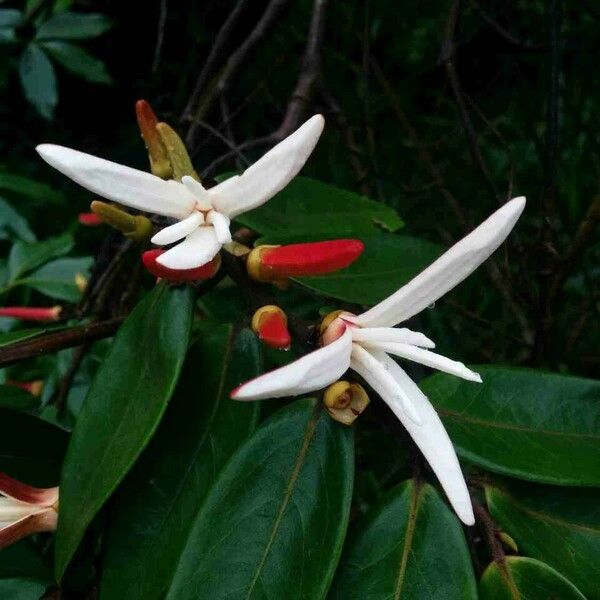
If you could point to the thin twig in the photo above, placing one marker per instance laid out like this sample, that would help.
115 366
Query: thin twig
160 36
53 342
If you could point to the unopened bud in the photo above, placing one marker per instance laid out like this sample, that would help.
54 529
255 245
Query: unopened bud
270 325
179 275
508 542
274 263
135 227
89 219
34 387
157 153
179 158
80 282
27 313
345 401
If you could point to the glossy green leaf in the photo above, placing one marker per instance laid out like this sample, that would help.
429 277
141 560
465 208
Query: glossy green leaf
56 279
274 522
308 206
38 80
388 262
200 431
13 225
23 561
78 61
410 546
525 579
525 423
31 450
25 257
560 526
122 409
74 26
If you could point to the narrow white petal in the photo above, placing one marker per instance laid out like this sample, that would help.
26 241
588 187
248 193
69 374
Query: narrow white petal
13 510
198 191
376 374
270 174
221 224
432 440
174 233
447 271
136 189
391 334
311 372
197 249
427 358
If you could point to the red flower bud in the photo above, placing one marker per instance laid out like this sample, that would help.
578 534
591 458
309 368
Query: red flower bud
33 387
270 325
89 219
147 122
27 313
179 275
271 263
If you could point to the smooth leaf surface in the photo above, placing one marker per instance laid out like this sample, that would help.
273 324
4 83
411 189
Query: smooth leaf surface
35 192
274 522
410 546
25 257
122 410
525 423
10 17
57 279
308 206
200 431
526 579
560 526
31 449
78 61
74 26
38 80
22 589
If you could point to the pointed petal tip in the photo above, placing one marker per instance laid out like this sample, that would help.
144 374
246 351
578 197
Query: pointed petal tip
465 514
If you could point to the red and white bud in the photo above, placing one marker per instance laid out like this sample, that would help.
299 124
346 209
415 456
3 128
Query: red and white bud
25 510
270 325
273 263
206 271
89 219
29 313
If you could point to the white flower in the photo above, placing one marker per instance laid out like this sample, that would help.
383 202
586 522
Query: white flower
25 510
204 215
364 343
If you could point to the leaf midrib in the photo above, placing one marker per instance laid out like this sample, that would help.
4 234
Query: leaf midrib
308 436
410 532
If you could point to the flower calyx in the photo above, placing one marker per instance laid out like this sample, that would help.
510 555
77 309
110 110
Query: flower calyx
345 401
134 227
269 323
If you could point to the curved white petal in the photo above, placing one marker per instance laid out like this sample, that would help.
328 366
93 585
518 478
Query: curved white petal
270 174
198 191
311 372
447 271
427 358
375 373
221 224
125 185
197 249
391 334
432 440
177 231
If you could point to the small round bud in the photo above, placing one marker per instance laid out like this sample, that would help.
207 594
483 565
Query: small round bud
345 401
269 323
